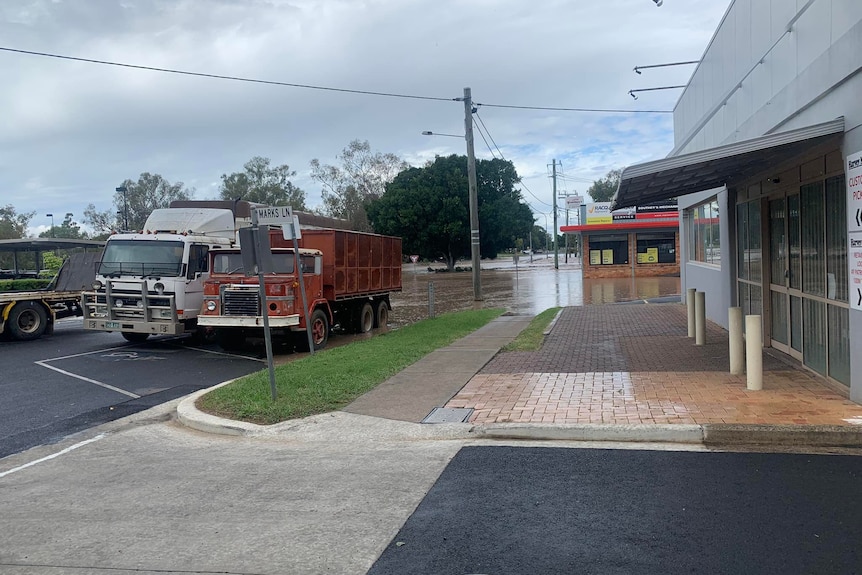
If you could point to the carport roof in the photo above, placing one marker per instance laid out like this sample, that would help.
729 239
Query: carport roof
715 167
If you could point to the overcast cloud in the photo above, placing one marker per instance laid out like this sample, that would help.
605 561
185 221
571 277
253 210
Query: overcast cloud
70 132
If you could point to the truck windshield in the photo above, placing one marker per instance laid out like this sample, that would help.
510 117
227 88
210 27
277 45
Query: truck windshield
231 263
142 258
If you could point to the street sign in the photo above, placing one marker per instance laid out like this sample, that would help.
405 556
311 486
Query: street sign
854 228
574 202
287 230
274 215
414 259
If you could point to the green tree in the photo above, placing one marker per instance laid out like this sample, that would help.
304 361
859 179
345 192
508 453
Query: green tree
68 229
136 203
603 189
361 179
263 184
429 208
12 224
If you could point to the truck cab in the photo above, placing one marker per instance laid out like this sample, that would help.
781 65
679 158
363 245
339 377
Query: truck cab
151 283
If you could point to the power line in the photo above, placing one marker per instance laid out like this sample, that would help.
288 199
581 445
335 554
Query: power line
478 129
489 135
223 77
314 87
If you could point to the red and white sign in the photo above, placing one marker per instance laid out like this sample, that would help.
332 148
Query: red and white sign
414 259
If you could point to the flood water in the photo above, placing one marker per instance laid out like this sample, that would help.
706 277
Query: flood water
528 288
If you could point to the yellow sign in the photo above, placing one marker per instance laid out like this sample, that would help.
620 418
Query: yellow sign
607 257
595 257
650 257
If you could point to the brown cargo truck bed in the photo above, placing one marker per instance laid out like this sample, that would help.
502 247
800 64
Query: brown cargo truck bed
356 263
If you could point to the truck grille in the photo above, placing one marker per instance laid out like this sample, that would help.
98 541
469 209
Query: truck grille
241 302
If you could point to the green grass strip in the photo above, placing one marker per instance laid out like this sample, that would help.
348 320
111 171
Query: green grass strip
332 378
531 339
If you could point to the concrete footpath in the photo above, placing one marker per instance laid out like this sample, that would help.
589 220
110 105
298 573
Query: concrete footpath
605 373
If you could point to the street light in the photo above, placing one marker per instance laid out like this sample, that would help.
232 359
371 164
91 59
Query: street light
427 133
124 189
52 223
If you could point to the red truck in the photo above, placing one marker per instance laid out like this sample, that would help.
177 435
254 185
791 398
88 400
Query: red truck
348 278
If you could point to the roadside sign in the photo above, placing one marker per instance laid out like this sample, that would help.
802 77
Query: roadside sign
274 215
288 230
414 259
574 202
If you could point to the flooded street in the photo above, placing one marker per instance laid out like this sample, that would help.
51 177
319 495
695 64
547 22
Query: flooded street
529 288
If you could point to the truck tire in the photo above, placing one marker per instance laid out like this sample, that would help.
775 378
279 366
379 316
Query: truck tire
319 331
230 339
28 320
381 314
135 337
365 321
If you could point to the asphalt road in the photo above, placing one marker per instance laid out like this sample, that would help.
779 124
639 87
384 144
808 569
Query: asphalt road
76 379
510 510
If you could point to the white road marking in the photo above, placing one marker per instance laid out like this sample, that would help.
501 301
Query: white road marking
52 456
87 379
223 353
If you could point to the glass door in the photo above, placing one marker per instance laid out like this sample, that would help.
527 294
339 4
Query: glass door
785 275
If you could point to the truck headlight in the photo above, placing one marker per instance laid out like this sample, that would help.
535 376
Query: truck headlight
118 303
211 305
160 288
97 285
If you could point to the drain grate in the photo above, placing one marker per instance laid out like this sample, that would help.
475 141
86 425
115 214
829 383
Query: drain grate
448 415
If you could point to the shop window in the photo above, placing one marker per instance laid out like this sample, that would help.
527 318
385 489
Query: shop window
657 248
609 250
702 225
749 253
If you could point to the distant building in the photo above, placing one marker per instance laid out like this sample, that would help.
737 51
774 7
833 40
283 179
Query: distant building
632 242
767 169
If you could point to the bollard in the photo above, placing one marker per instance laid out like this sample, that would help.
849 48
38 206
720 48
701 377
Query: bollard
753 353
430 299
689 306
736 340
699 318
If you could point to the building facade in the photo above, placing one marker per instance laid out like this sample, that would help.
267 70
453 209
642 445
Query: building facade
767 166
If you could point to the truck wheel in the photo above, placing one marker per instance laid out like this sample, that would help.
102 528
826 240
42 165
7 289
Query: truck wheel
27 320
319 329
135 337
381 315
230 339
365 321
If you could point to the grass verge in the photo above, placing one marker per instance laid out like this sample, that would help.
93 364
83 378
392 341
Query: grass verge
331 379
531 338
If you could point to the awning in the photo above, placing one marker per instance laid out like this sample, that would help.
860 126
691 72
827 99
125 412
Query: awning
715 167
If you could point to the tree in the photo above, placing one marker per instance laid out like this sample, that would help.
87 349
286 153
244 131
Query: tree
603 189
12 224
429 208
68 229
150 192
264 185
361 179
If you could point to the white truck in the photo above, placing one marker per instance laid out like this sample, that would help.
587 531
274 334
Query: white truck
151 282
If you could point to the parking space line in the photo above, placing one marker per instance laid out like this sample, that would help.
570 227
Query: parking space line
200 349
52 456
87 379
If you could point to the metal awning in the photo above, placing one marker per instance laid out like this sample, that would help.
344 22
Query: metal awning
715 167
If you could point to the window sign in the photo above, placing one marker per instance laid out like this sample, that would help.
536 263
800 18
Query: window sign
854 228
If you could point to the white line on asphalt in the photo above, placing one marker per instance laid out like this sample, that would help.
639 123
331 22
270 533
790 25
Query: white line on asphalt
221 353
83 354
52 456
87 379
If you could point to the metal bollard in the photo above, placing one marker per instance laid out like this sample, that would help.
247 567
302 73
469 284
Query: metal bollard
700 318
753 353
689 306
430 299
736 340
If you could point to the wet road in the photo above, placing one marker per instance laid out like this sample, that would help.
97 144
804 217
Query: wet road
528 288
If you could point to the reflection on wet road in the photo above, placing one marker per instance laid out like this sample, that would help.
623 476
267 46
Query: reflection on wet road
529 288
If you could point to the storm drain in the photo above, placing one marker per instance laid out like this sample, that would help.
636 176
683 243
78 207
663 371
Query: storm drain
448 415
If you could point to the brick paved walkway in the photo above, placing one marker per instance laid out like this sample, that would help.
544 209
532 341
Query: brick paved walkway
635 364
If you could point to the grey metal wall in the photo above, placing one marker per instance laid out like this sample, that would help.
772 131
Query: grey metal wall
769 62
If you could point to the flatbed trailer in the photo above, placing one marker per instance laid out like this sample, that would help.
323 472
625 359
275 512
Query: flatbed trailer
28 315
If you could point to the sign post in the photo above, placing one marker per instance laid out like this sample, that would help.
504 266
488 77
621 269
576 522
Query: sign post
259 246
283 216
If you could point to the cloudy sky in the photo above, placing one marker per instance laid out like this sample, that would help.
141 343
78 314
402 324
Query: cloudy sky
70 131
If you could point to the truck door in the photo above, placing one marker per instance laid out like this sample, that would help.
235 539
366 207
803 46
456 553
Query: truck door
197 272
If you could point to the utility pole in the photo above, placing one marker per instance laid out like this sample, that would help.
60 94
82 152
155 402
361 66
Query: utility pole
556 247
474 198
